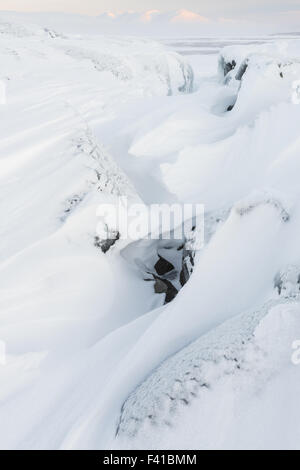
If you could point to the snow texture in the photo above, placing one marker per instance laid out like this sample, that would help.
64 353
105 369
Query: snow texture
147 344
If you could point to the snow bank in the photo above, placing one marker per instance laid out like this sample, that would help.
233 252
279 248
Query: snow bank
222 391
60 295
148 65
243 163
95 359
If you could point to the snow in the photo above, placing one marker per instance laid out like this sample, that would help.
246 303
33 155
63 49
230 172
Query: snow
95 358
222 387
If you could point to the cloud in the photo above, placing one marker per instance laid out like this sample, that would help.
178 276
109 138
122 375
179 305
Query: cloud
176 23
187 16
187 22
148 15
178 17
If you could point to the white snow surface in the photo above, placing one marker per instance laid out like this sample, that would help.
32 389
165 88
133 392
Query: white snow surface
95 360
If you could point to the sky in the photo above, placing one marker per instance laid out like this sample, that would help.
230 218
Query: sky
242 15
214 8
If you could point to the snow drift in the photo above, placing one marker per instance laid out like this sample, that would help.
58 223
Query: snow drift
97 356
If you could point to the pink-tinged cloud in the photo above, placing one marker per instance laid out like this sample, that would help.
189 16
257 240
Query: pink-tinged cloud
148 15
187 16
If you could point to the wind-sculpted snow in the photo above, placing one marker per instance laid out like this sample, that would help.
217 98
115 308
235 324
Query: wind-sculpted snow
242 68
237 358
54 174
149 67
67 84
222 372
120 343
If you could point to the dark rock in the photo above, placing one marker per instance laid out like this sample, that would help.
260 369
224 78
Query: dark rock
105 245
163 286
228 67
242 70
184 275
160 287
163 266
187 267
171 292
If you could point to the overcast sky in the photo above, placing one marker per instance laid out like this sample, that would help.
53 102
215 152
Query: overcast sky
173 16
211 8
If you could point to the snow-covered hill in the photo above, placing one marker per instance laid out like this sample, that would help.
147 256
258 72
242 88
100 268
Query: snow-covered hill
96 358
235 386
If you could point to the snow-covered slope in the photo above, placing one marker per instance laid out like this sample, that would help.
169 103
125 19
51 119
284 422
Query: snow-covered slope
235 386
222 390
58 290
95 358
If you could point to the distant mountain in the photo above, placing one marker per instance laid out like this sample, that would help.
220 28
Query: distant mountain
150 23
